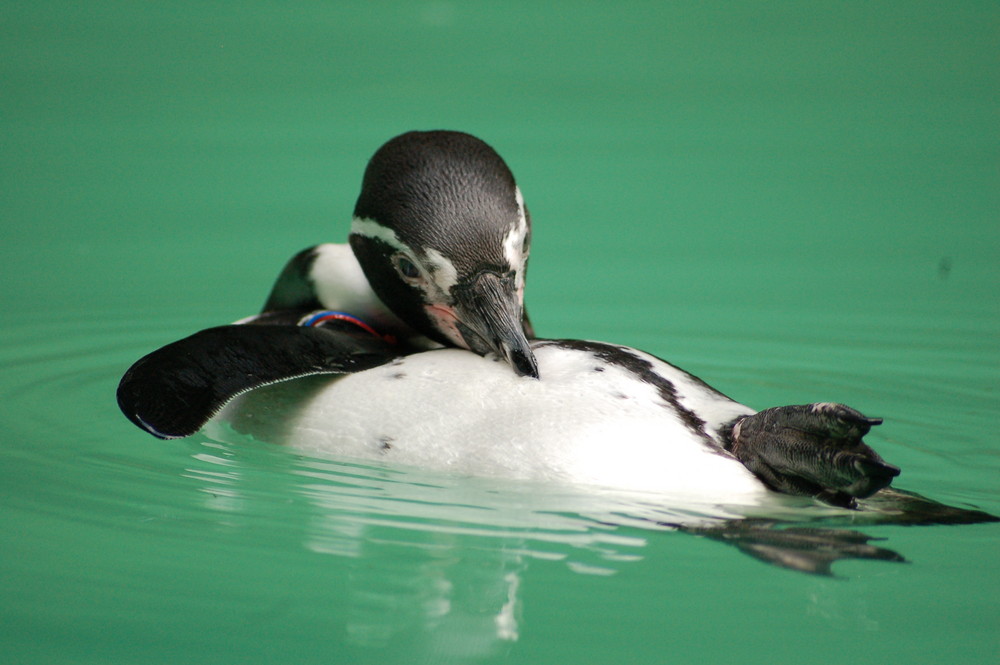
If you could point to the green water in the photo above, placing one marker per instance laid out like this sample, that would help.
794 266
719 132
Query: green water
796 203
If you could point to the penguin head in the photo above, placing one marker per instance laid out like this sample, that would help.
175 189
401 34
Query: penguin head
442 234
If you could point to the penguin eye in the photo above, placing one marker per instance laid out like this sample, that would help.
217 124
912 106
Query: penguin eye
406 268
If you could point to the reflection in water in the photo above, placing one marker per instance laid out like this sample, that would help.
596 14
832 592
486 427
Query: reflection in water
414 578
440 563
433 561
221 486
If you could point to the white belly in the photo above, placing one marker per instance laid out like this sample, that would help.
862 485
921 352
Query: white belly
584 421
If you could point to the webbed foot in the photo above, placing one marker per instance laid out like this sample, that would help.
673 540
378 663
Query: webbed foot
814 450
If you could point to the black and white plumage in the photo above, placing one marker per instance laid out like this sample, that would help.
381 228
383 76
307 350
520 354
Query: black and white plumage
591 419
443 236
437 258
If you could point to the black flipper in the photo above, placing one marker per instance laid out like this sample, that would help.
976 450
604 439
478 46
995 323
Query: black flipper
294 289
813 450
174 391
804 549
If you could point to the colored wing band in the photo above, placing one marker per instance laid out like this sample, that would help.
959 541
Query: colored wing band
319 318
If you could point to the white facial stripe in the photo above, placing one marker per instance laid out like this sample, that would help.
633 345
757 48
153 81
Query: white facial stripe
443 271
513 242
369 228
439 271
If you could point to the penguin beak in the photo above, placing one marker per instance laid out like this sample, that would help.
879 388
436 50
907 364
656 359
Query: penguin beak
490 320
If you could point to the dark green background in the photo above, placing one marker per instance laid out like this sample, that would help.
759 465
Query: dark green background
705 142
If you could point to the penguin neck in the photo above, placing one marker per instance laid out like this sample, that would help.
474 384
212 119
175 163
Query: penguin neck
340 284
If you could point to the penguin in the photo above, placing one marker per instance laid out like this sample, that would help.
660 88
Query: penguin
412 343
